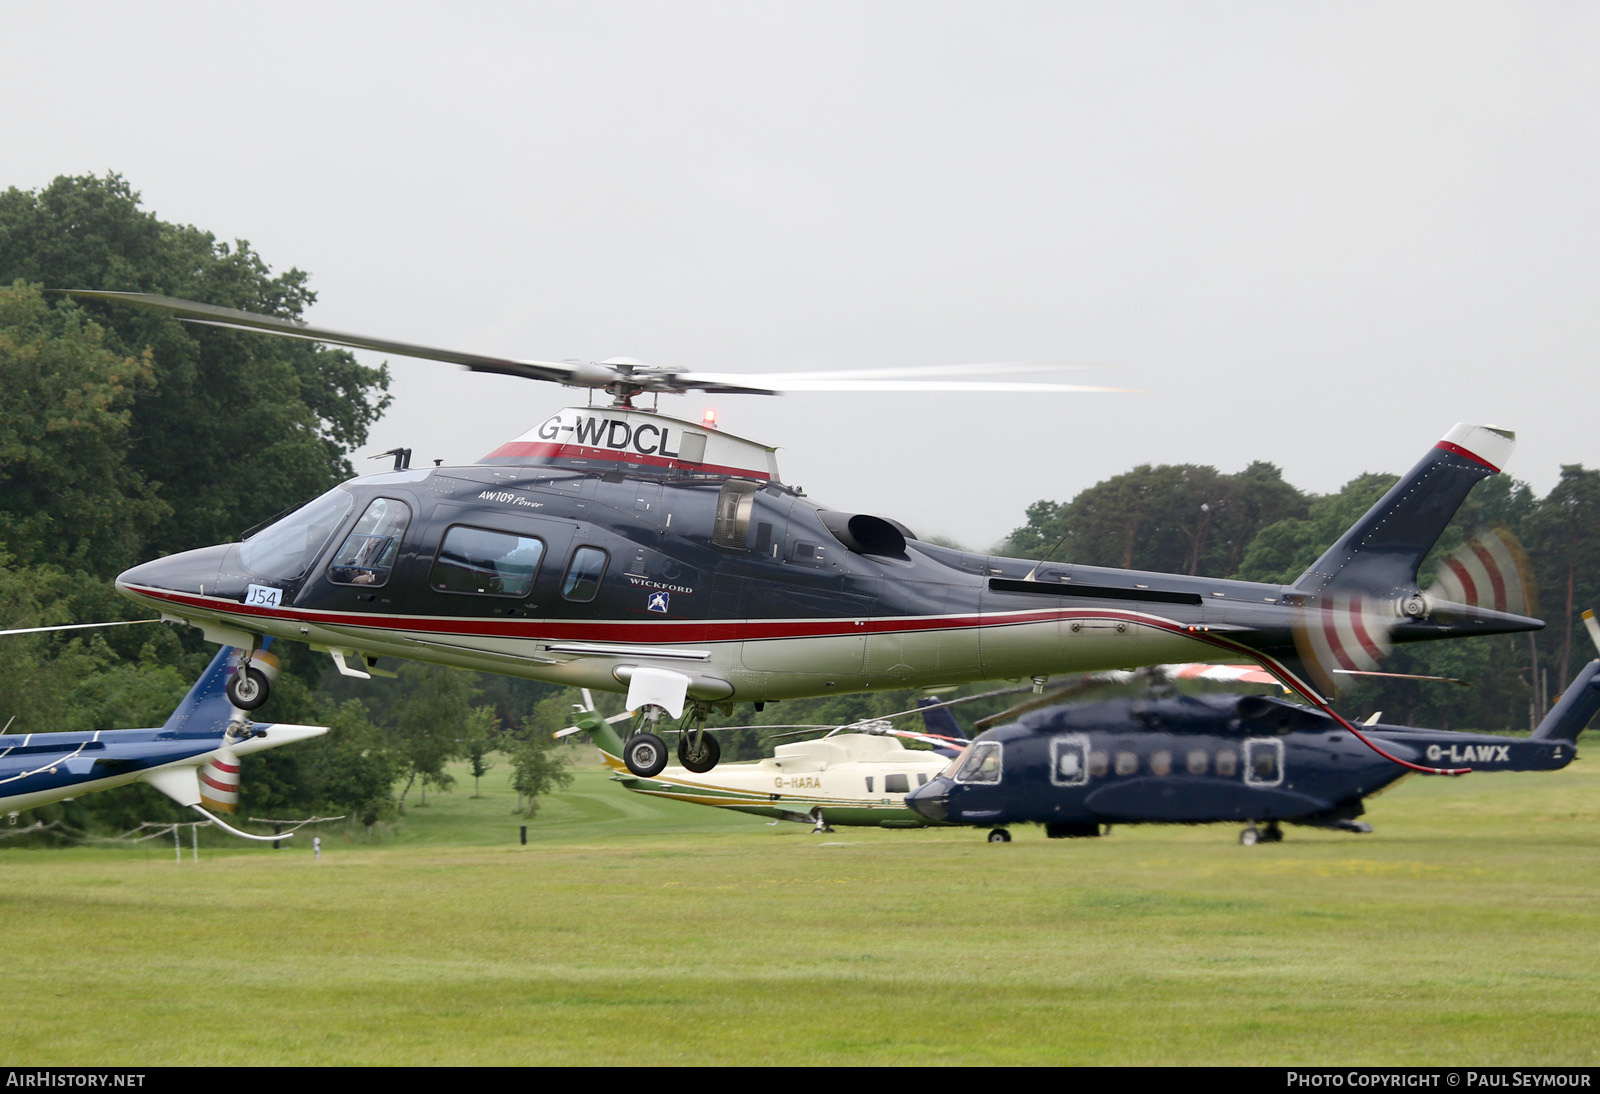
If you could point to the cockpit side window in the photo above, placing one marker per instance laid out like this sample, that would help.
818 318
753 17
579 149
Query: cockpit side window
485 563
584 572
368 554
981 764
285 550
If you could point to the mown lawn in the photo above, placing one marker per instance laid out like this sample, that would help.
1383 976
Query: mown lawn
1466 930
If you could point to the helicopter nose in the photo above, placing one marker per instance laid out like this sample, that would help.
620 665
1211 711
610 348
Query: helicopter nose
193 573
930 800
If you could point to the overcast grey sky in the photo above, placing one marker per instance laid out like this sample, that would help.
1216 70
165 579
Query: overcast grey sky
1313 233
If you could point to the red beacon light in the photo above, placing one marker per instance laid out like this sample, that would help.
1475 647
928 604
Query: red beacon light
709 419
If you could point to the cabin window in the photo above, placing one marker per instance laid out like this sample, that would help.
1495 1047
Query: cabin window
1197 761
1227 763
896 784
287 549
478 561
869 784
981 764
1127 763
1161 763
922 778
368 554
1263 762
734 503
582 582
1099 762
1070 761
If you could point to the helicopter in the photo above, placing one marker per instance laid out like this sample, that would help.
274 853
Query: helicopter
854 775
1197 759
625 549
193 758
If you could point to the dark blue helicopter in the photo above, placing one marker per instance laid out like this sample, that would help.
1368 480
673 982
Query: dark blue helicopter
1204 759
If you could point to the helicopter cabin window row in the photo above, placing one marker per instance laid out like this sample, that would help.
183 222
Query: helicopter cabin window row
484 563
898 784
1074 763
368 553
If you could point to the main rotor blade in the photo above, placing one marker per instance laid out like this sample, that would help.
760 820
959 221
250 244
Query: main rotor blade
78 626
632 376
780 383
561 372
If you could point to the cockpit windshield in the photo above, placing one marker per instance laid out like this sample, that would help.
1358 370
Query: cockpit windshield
286 550
979 764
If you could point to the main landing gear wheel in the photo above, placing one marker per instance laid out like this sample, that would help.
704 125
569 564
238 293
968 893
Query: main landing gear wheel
645 754
699 756
248 688
999 835
1250 837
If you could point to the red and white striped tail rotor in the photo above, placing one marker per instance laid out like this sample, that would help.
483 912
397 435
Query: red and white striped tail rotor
219 782
1346 632
1489 570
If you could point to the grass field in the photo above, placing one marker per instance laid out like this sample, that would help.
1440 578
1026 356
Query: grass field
1464 931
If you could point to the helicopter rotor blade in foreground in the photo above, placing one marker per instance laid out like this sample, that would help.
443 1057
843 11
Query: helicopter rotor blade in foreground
628 375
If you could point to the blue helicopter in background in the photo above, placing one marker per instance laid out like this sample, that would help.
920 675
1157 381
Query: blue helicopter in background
193 758
1200 759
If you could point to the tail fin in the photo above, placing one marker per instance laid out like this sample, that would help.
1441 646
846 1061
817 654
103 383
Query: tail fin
1577 706
1380 553
206 708
605 738
939 721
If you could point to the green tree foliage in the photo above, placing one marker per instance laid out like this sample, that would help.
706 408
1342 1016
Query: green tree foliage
125 435
228 428
1173 519
434 725
1281 551
1562 536
68 495
538 766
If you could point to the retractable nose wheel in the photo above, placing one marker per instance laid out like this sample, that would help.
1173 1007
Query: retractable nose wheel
248 688
645 754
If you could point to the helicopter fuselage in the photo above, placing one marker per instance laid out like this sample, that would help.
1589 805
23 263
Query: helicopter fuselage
608 545
575 577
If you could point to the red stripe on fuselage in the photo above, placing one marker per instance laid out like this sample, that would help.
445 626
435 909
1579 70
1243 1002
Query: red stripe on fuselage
662 632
